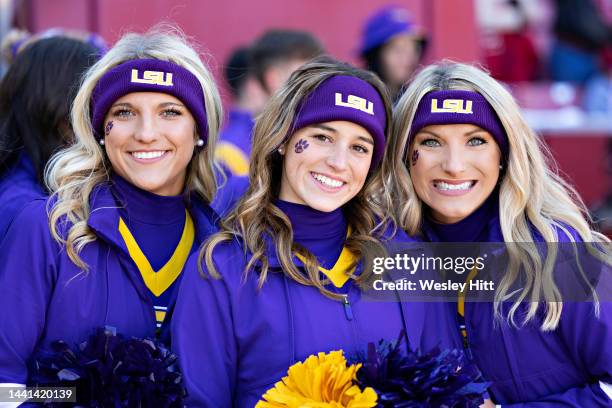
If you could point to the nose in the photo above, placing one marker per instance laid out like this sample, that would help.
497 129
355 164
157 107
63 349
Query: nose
338 158
454 161
146 130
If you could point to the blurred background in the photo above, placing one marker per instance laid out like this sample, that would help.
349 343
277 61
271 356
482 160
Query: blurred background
554 55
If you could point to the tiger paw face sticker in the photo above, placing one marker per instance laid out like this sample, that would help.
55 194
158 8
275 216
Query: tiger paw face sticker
301 145
108 127
415 156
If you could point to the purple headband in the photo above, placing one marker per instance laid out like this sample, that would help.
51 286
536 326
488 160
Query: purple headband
149 75
346 98
451 107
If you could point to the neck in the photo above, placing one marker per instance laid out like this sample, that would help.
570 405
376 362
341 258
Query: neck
141 205
472 228
322 233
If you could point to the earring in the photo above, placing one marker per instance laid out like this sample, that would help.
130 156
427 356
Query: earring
501 166
200 143
101 141
281 150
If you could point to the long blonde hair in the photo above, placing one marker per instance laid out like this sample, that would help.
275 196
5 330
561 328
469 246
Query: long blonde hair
531 192
256 215
73 173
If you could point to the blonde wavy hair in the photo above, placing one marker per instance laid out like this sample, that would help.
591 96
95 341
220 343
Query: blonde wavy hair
73 173
531 192
256 215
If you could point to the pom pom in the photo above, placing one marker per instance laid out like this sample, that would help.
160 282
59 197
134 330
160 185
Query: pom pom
109 370
405 378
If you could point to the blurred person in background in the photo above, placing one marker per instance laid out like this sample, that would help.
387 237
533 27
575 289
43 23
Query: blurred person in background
16 40
392 46
234 146
6 24
277 53
581 35
254 75
509 50
35 99
9 45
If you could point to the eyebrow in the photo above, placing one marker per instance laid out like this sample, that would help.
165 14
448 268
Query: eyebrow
324 127
465 134
331 129
164 104
161 105
125 104
366 140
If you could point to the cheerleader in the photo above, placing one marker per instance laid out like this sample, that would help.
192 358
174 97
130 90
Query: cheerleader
466 167
129 204
283 278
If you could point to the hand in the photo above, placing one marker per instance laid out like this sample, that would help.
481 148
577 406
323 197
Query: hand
488 404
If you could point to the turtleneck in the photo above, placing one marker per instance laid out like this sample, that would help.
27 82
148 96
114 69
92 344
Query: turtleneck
322 233
156 222
473 228
147 207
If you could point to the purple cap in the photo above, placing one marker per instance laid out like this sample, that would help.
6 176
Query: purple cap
148 75
457 106
384 24
346 98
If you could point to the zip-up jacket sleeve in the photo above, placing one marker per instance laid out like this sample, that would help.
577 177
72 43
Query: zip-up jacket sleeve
28 256
203 334
589 343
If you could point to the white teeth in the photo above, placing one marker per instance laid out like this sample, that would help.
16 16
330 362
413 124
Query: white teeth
148 155
327 181
445 186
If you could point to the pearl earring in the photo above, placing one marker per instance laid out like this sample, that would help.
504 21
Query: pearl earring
501 166
281 150
200 143
101 141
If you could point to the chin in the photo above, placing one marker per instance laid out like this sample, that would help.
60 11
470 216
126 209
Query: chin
450 216
147 184
324 205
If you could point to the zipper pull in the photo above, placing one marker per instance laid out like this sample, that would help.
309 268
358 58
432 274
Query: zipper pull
347 308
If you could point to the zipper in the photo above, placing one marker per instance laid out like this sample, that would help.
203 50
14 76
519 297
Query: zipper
348 311
466 340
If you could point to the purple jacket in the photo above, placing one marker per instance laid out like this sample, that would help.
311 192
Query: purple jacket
529 368
233 153
18 186
45 297
235 341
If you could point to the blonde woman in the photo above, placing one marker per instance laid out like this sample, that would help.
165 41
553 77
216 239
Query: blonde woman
291 257
130 202
465 167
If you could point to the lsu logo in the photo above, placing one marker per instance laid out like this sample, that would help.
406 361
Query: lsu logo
152 77
452 106
355 102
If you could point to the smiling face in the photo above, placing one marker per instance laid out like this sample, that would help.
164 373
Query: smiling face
454 168
150 140
326 164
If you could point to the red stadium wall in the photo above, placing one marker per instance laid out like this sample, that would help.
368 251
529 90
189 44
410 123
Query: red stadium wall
219 26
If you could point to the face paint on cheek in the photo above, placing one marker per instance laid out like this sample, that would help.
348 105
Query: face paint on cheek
415 156
108 128
301 145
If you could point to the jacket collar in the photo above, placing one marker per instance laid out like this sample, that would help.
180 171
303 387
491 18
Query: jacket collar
494 233
104 216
